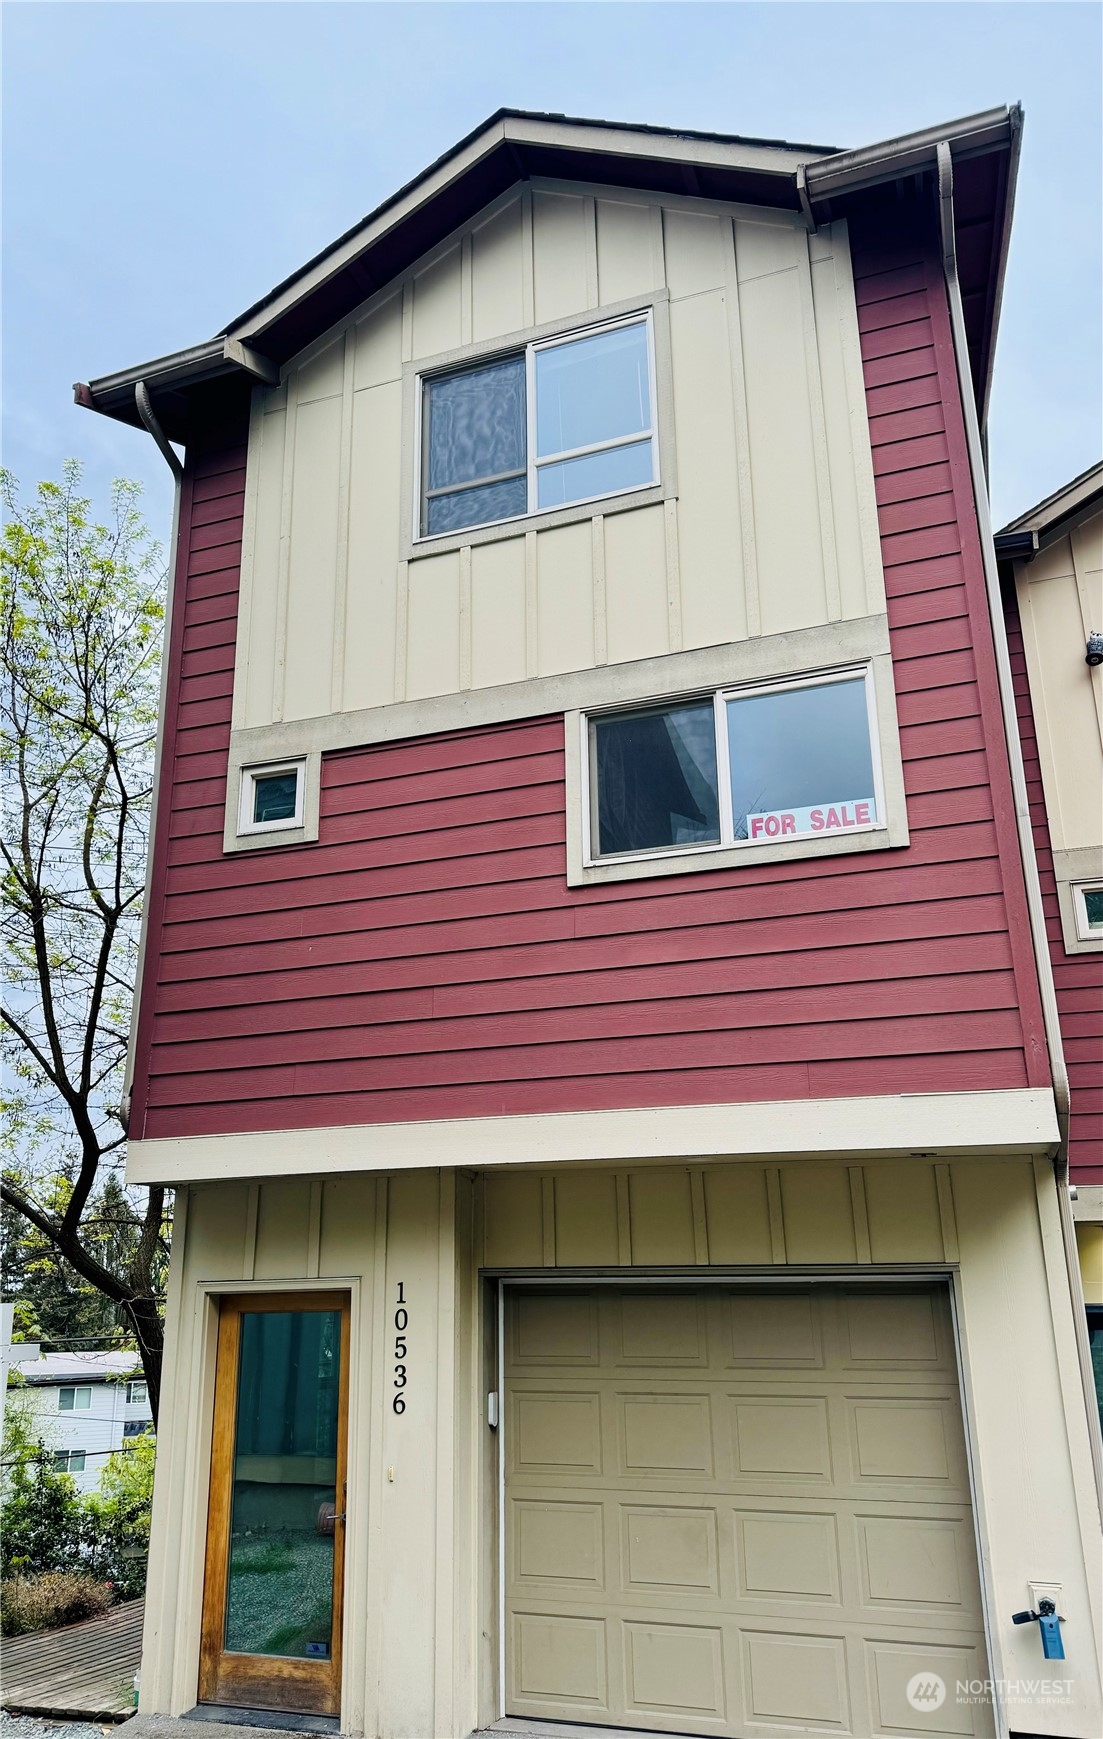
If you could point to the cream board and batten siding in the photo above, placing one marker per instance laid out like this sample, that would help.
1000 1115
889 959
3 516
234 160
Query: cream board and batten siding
1060 597
422 1601
772 526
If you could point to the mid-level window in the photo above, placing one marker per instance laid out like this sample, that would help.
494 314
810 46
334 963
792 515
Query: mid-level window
69 1460
78 1399
792 760
136 1392
136 1427
564 420
271 797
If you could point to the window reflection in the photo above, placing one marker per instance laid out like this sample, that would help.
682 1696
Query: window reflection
656 778
800 750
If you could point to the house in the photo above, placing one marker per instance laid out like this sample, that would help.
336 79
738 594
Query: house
86 1406
596 1011
1051 563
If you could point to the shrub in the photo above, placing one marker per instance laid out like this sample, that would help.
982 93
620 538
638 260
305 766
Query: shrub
41 1602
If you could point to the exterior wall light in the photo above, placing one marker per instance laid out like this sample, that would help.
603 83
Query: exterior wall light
1094 654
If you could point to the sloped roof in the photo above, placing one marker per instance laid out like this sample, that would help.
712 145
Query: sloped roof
63 1367
515 145
1051 518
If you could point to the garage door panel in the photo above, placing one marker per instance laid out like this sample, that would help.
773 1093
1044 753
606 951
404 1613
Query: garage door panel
736 1514
892 1666
557 1542
665 1548
795 1679
785 1436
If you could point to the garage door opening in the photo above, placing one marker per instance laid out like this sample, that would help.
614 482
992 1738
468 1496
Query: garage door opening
737 1511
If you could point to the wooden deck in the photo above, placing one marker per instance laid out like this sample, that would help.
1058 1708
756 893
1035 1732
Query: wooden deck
81 1672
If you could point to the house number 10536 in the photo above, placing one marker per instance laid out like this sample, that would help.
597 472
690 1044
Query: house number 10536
401 1321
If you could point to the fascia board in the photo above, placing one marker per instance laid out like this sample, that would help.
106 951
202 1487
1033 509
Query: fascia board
609 139
846 171
180 368
1056 507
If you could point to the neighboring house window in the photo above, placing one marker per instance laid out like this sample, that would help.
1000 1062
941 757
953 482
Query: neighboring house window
69 1460
136 1427
136 1392
567 419
1087 900
740 766
70 1400
272 797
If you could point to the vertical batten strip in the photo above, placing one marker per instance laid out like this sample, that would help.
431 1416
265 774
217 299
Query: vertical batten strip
658 249
818 420
314 1231
777 1214
860 1212
532 647
597 569
744 480
589 220
467 309
446 1354
466 652
865 489
401 620
249 1242
408 319
373 1532
673 576
624 1221
946 1212
344 493
283 577
700 1219
253 469
528 270
547 1220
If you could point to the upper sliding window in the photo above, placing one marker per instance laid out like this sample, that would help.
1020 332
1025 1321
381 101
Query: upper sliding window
750 766
565 420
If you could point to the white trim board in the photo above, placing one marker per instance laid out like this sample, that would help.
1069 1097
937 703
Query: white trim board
1014 1121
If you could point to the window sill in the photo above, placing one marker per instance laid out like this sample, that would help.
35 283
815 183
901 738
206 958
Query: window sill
418 549
717 857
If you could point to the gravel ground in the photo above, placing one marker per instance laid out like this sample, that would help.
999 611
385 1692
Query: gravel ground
33 1727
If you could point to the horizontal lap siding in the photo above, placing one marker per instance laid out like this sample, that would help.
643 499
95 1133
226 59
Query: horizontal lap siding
1078 977
426 958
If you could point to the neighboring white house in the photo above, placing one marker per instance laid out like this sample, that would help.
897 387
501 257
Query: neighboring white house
88 1403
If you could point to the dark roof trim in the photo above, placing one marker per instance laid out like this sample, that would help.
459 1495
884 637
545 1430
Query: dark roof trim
517 144
1022 538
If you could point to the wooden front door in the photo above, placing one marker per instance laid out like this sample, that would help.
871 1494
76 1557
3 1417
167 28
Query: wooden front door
275 1524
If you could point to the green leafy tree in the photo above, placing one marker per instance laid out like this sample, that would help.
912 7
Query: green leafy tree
116 1517
81 611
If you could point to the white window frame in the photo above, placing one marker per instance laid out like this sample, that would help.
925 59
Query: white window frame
1084 931
644 317
247 797
727 842
64 1460
133 1400
76 1389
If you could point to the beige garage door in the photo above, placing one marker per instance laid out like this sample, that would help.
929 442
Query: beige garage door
737 1512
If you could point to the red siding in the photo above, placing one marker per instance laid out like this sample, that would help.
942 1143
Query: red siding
426 959
1079 977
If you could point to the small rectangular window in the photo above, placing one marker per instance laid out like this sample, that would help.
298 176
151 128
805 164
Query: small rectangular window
76 1461
136 1427
568 419
1087 900
136 1392
70 1398
272 797
753 766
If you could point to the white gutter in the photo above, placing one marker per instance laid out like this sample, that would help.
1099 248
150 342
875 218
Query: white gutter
1050 1012
149 418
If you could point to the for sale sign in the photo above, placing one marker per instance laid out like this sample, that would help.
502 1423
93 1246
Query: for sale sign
845 817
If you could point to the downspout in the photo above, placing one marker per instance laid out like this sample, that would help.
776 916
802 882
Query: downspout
1039 939
145 410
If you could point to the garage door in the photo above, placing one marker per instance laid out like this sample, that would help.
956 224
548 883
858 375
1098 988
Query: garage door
737 1512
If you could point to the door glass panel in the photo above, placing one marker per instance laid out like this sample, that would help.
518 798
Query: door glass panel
279 1596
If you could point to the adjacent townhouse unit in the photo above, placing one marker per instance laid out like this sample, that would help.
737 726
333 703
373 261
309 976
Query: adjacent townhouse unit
84 1406
595 1008
1052 573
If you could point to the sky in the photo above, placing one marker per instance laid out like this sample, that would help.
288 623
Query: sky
165 164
